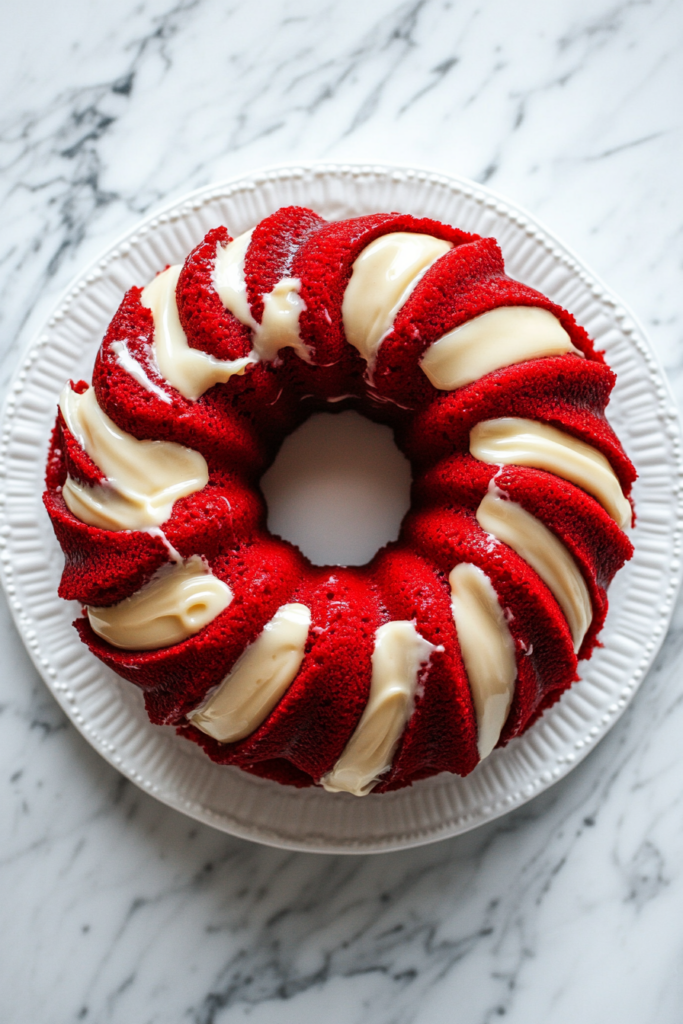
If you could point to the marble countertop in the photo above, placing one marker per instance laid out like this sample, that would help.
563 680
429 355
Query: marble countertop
117 909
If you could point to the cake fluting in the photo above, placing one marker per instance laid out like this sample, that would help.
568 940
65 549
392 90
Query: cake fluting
263 673
456 637
518 442
398 656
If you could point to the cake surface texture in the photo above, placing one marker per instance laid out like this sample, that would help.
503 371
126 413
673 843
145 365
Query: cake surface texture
454 638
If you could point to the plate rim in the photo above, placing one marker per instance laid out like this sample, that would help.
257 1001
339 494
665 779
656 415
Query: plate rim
173 209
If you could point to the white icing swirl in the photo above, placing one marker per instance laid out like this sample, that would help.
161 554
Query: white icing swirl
501 337
399 653
488 651
259 678
523 442
189 370
382 278
546 555
179 601
143 478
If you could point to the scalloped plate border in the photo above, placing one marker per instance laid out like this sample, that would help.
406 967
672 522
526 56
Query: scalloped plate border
109 712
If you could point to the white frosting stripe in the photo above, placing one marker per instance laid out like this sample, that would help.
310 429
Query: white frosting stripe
282 306
260 677
229 280
399 652
279 327
488 651
382 278
128 363
546 555
501 337
189 370
176 604
523 442
143 478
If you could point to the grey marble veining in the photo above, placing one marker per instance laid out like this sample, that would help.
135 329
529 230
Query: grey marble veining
118 909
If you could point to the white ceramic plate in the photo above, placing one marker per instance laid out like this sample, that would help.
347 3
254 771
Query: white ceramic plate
109 712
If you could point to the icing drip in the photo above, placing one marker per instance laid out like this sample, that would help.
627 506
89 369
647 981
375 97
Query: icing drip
537 545
501 337
179 601
530 443
488 651
189 370
399 652
382 278
259 678
156 531
128 363
143 478
279 327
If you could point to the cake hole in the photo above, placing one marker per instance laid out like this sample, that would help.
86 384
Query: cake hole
338 489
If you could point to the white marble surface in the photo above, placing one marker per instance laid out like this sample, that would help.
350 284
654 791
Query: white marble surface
116 909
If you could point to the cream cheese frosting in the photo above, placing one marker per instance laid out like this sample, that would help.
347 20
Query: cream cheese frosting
282 306
501 337
259 678
189 370
488 651
523 442
545 553
229 280
143 478
382 278
398 655
279 327
130 364
179 601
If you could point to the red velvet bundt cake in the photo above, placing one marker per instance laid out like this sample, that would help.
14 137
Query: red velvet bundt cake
454 638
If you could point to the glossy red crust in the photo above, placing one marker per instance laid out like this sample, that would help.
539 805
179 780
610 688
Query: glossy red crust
238 428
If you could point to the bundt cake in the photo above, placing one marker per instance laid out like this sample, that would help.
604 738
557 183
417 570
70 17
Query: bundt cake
454 638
